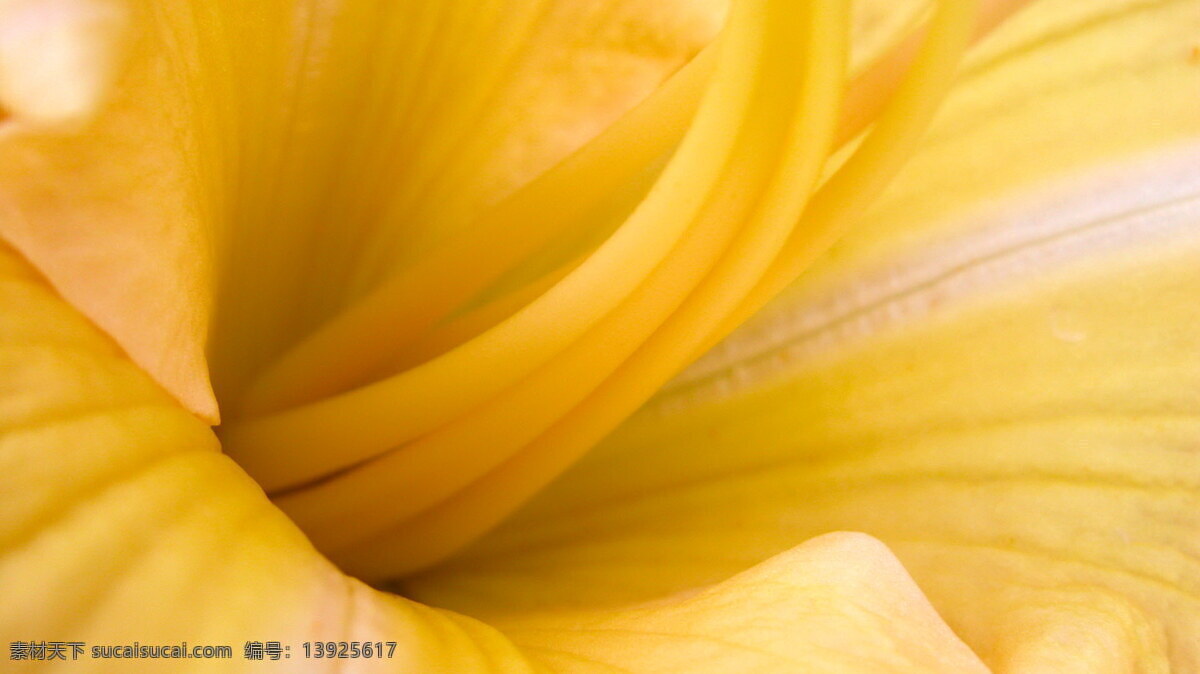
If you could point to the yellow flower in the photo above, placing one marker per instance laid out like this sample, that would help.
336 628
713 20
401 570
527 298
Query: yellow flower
431 253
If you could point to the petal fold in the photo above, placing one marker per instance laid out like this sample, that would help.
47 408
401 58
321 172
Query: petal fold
124 524
996 376
840 603
102 180
208 183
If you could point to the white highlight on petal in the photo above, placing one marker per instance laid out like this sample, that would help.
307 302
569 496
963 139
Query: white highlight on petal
1150 201
58 57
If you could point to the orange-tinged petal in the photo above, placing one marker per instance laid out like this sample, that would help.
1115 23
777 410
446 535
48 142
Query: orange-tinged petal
124 524
988 401
111 209
159 161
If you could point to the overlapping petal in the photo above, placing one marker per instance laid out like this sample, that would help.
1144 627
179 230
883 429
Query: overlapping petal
113 208
125 525
997 380
838 603
996 376
276 158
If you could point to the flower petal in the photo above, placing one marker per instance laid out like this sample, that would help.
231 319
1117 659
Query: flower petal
112 210
124 524
997 377
377 129
157 158
839 603
1020 430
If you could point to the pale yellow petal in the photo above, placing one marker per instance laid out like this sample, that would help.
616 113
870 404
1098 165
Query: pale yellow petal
1016 422
996 375
1064 86
126 526
838 604
471 433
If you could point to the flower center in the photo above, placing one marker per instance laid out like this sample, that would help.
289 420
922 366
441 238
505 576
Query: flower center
416 419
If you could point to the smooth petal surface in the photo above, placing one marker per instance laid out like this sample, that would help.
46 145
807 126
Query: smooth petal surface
470 434
1026 445
159 158
838 603
125 524
113 209
997 376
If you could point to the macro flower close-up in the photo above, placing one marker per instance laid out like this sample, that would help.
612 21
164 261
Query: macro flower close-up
581 336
